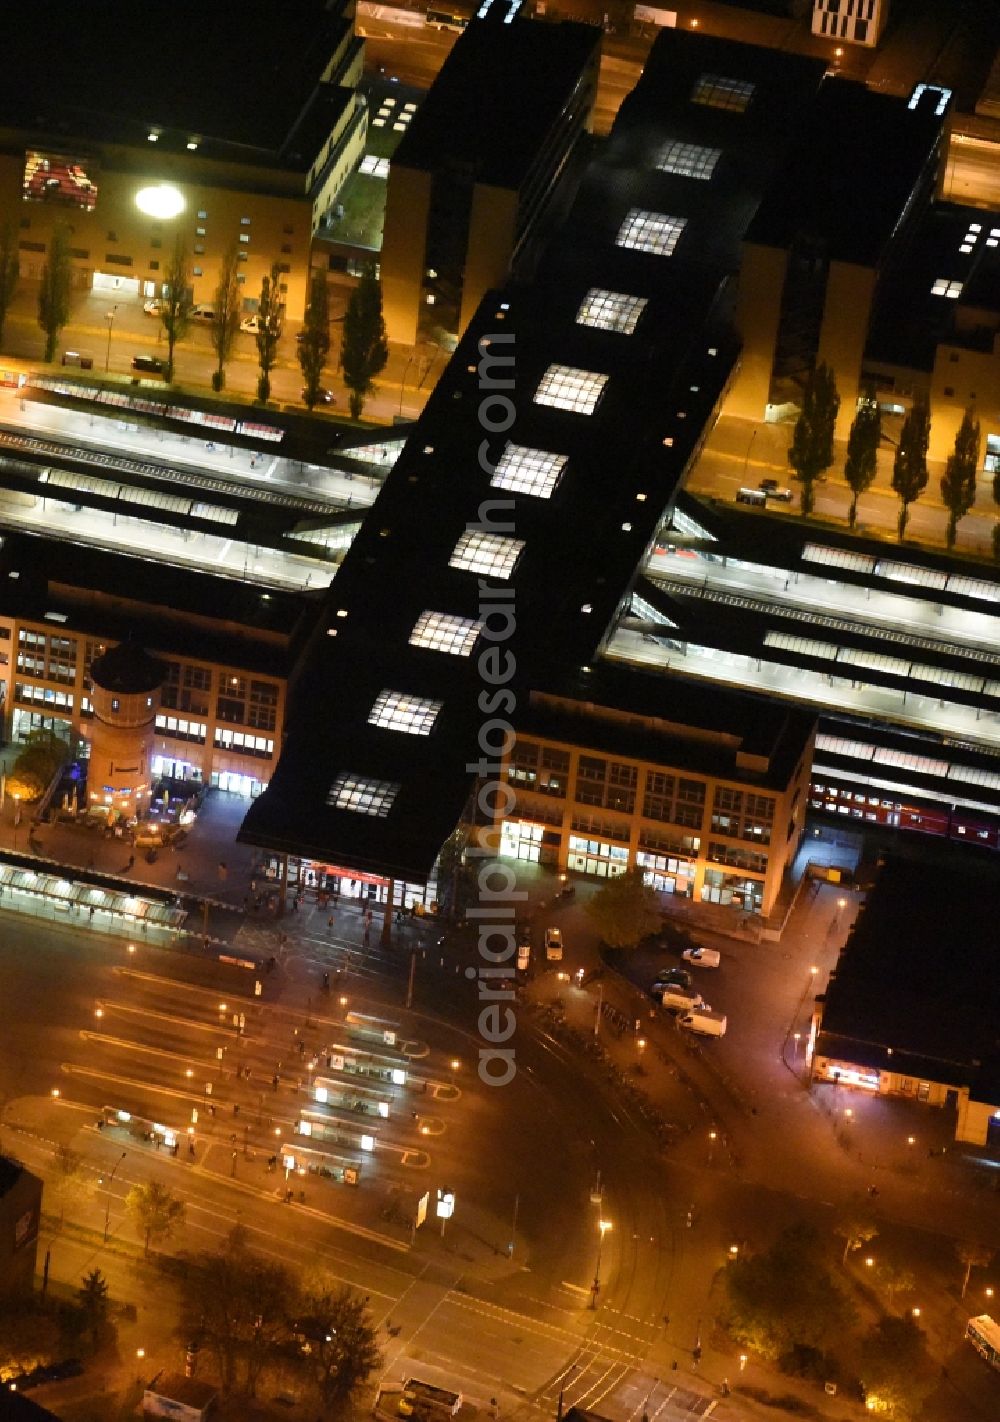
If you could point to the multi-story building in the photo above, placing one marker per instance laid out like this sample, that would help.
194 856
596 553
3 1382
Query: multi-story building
482 166
220 141
20 1216
850 21
708 799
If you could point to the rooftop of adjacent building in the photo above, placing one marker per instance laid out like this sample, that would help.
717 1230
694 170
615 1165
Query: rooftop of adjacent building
496 98
231 77
916 987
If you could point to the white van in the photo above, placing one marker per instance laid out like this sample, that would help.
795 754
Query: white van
706 1022
202 313
676 998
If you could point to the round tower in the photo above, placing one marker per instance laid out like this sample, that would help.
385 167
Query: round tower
125 691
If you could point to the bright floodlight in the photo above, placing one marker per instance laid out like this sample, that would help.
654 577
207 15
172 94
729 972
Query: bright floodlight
161 201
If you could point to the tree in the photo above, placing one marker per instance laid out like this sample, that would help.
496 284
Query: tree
895 1279
72 1182
10 270
973 1256
895 1368
94 1303
365 346
270 321
785 1297
909 469
958 482
625 909
240 1308
861 464
811 449
226 319
314 346
176 303
338 1332
54 290
855 1231
155 1212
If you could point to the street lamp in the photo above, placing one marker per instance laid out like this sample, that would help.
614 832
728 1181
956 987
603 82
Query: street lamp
107 1212
595 1288
109 316
17 817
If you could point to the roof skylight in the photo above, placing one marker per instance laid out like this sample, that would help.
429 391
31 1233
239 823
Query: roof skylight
443 632
528 471
362 796
688 160
717 91
654 232
611 310
567 388
487 553
396 711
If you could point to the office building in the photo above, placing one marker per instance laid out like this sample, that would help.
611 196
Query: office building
911 1007
850 21
483 167
236 129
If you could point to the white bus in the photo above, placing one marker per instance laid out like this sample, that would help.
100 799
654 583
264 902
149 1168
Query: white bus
984 1335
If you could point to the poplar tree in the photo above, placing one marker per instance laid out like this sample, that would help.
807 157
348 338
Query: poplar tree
54 290
861 464
270 323
909 470
365 345
811 450
176 303
226 314
958 482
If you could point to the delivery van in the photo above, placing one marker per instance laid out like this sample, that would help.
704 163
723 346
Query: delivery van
706 1022
676 998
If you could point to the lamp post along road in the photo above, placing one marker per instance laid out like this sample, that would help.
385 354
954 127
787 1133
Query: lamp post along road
107 1212
595 1288
110 318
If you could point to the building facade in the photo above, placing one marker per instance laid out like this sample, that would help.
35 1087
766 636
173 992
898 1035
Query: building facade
723 836
20 1214
850 21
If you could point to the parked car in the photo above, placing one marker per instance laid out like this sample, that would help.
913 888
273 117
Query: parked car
523 957
675 998
151 365
702 957
773 490
553 945
674 975
323 397
202 313
705 1022
250 324
153 306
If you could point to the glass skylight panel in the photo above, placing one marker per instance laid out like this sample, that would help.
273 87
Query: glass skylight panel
806 646
717 91
944 287
654 232
528 471
688 160
565 387
443 632
396 711
684 523
838 558
362 796
611 311
912 573
486 553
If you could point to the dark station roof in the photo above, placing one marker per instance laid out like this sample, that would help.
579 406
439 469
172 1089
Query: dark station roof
127 669
226 73
916 988
497 97
859 158
615 473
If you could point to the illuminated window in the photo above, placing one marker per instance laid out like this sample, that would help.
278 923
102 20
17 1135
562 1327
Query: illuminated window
486 553
715 91
611 310
395 711
650 232
442 632
528 471
944 287
364 797
567 388
688 160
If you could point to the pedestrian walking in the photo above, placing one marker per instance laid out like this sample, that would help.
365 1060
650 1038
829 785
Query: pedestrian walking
274 1081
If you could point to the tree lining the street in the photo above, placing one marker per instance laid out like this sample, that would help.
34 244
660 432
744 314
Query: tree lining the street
895 1368
785 1297
958 482
72 1182
973 1256
255 1317
314 346
909 469
176 304
624 909
226 309
364 348
155 1212
10 270
270 323
54 289
861 464
811 450
855 1231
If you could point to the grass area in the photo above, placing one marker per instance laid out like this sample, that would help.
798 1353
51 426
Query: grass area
363 198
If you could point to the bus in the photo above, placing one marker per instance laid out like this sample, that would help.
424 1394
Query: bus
984 1335
442 19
